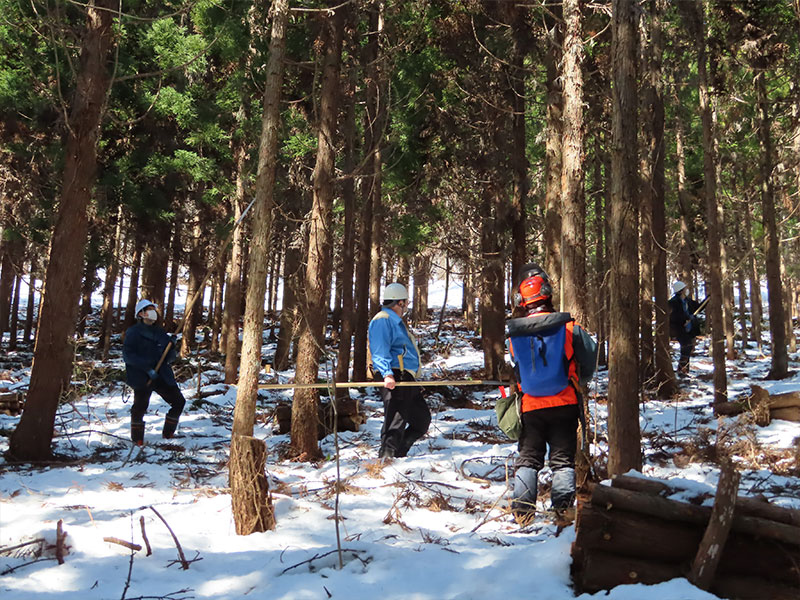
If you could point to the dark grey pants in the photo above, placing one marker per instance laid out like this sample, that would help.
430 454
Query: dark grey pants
141 400
406 417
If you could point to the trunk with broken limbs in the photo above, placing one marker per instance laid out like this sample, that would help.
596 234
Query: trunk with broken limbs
52 363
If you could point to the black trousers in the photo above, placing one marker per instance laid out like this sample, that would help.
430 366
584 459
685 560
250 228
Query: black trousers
406 417
687 349
141 400
556 427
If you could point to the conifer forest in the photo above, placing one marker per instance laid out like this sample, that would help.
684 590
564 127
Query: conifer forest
260 171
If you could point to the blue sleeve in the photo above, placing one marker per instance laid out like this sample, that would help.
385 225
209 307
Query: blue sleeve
380 346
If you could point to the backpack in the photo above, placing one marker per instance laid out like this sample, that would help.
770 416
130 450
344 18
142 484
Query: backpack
542 348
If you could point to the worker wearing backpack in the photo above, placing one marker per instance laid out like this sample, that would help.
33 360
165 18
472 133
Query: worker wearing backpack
553 358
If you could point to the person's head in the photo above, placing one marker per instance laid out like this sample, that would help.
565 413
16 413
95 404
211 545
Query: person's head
533 287
679 288
147 312
395 296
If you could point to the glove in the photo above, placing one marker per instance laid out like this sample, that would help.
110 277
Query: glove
173 339
688 326
152 374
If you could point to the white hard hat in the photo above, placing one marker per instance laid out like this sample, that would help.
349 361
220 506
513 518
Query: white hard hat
142 304
678 286
395 291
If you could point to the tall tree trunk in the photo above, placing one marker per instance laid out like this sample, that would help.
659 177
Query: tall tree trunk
52 363
12 328
553 151
6 285
685 243
422 274
349 203
714 309
519 160
155 262
573 201
623 398
26 334
468 299
89 283
197 267
740 284
600 285
219 292
756 306
244 413
646 200
133 284
233 290
176 249
370 183
293 275
777 316
492 288
664 374
305 414
112 271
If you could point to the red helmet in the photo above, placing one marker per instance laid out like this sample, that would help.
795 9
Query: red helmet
534 285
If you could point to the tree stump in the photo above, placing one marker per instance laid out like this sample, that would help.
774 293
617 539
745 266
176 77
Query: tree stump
250 499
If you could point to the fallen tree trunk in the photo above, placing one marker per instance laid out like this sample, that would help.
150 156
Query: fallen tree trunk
744 504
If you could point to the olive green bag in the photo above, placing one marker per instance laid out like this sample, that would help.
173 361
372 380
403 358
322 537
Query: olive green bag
509 415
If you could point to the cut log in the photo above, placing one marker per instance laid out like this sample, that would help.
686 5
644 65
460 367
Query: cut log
753 588
349 418
704 567
785 400
608 497
601 571
791 413
744 504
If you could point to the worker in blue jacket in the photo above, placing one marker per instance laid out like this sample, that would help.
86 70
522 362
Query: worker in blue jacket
395 357
144 344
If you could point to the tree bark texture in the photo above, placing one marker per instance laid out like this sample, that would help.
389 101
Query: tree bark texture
53 352
519 160
714 310
756 306
112 271
492 291
245 411
623 398
777 316
666 385
251 502
573 200
155 262
314 306
553 154
233 288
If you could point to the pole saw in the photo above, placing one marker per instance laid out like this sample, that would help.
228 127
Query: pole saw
364 384
199 290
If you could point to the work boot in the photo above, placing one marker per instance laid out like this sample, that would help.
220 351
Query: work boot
562 493
170 425
137 433
523 503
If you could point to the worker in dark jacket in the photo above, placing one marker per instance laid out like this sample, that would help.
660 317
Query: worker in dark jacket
553 358
683 323
144 345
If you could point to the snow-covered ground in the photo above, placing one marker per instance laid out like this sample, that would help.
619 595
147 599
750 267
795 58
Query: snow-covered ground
429 526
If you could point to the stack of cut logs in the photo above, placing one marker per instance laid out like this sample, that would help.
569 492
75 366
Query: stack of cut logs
348 417
764 406
742 548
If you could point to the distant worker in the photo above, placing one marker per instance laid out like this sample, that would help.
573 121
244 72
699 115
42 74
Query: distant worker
396 358
144 344
553 358
684 325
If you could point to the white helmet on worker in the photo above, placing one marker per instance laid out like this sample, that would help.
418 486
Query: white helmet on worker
678 287
142 304
395 291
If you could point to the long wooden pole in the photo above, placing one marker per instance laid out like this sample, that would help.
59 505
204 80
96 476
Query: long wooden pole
363 384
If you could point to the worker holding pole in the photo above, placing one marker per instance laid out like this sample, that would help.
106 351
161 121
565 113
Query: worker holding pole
396 358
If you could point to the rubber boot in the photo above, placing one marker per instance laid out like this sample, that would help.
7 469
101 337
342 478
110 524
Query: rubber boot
523 504
170 425
562 493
